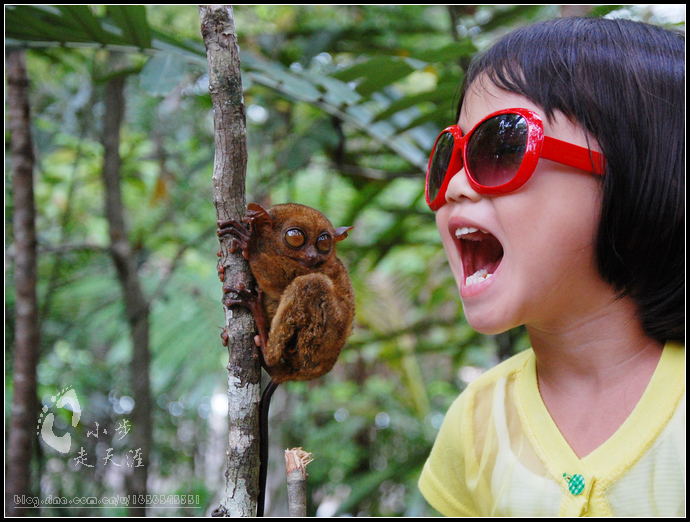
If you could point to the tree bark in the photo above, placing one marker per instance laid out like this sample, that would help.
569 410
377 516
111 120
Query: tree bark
136 305
229 173
23 419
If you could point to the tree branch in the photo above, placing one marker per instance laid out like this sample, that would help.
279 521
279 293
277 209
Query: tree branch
296 461
136 306
23 419
229 172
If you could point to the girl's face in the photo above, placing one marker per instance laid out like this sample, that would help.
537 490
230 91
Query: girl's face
538 243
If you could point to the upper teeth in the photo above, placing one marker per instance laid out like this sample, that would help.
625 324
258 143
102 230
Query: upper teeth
467 230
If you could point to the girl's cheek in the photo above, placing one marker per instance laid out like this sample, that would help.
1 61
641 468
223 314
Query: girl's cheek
442 216
452 254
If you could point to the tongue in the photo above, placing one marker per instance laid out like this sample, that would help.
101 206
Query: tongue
481 255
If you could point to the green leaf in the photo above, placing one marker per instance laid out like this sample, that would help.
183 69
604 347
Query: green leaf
131 19
190 49
337 93
274 75
441 94
377 73
80 18
511 17
162 73
448 53
439 114
63 25
41 23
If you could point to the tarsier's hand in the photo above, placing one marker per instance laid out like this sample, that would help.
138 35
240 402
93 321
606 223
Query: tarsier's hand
242 235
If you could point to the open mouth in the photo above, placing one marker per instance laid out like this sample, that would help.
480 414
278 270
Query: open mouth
481 254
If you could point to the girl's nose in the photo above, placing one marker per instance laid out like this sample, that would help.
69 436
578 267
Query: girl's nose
459 188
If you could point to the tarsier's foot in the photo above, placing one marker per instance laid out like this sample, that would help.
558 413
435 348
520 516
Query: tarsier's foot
252 300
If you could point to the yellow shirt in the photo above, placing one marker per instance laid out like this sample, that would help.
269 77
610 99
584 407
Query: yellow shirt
499 453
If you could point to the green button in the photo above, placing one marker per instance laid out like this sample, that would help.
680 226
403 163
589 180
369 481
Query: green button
576 483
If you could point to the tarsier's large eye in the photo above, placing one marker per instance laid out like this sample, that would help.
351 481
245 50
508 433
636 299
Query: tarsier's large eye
295 238
323 243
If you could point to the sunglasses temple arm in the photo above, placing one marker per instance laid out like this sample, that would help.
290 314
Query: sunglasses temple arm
573 155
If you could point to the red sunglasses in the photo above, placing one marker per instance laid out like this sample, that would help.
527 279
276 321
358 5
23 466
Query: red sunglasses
500 154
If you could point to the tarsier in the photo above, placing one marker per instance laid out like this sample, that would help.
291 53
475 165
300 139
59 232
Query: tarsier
304 305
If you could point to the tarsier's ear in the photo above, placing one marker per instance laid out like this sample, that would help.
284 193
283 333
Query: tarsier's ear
341 233
259 215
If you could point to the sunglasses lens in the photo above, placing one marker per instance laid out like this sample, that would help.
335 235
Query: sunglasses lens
496 149
439 164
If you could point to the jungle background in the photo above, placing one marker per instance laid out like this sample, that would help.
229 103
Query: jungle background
343 104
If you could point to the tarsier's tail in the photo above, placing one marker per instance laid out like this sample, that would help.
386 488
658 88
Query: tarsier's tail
263 447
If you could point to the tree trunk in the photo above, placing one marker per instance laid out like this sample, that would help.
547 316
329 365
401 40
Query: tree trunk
229 172
136 306
23 419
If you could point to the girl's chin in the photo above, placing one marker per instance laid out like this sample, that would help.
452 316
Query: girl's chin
486 321
486 328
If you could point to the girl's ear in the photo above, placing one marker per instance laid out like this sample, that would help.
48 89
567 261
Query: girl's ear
341 233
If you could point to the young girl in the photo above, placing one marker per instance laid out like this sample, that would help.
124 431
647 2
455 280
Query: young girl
559 196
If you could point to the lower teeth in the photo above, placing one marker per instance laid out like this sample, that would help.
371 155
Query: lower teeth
477 277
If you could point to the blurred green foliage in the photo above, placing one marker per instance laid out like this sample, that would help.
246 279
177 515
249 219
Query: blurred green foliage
343 104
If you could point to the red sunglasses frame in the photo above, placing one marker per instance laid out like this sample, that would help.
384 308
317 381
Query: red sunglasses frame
537 146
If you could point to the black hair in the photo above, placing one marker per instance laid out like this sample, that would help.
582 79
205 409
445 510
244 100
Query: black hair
624 83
